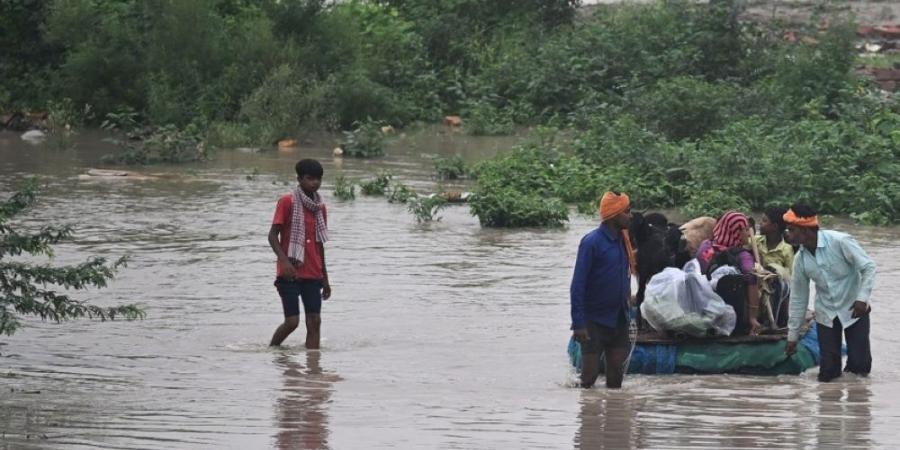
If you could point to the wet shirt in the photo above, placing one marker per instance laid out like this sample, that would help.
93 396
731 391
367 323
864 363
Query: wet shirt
843 274
311 268
782 255
601 284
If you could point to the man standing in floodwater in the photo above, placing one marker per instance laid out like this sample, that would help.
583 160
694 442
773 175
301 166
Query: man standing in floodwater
844 276
600 291
297 236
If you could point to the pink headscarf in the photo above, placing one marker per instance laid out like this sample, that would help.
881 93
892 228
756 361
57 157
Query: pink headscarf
727 232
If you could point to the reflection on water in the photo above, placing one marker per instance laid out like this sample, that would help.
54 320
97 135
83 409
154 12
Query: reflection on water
607 421
444 335
844 416
301 410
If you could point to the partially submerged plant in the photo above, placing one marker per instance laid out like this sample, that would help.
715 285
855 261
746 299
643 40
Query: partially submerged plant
425 209
344 189
451 168
376 186
365 141
400 193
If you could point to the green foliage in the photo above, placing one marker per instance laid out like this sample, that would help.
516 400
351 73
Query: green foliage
62 120
425 209
344 189
484 119
26 57
282 105
526 187
451 168
107 67
24 285
166 144
685 107
804 78
840 167
376 186
366 141
400 193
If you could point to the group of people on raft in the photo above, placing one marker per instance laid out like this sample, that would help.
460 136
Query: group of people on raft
775 269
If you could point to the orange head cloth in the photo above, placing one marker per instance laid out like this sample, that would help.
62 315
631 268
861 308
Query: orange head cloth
792 218
611 205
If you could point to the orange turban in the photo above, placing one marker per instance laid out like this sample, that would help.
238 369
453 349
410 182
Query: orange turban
792 218
612 204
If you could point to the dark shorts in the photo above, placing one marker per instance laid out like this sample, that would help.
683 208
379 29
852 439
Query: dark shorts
292 291
604 338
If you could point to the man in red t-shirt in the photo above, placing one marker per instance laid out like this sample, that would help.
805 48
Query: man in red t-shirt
297 236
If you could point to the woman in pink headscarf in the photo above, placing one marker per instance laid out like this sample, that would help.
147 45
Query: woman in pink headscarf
731 233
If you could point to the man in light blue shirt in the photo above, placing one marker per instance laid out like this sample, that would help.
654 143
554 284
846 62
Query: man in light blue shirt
844 276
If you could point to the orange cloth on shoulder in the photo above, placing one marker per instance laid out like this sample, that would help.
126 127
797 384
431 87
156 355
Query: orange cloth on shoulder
611 205
792 218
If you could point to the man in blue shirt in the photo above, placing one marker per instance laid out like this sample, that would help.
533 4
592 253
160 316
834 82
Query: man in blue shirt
601 288
844 276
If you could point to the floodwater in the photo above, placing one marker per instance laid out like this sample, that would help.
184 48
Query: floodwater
444 335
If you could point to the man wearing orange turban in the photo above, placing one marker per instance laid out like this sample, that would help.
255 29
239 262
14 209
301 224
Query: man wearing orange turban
844 276
601 288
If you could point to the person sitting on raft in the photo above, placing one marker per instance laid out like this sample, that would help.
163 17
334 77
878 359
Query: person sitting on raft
731 233
775 256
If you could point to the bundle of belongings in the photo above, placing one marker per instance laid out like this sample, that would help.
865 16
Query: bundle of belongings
684 302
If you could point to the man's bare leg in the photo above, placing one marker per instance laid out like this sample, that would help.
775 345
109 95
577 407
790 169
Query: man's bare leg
284 330
615 367
313 328
590 369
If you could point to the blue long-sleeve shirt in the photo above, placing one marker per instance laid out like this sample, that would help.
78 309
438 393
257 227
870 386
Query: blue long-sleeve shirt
601 285
843 274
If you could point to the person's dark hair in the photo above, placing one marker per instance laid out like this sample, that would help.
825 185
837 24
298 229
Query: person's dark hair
803 210
309 167
776 216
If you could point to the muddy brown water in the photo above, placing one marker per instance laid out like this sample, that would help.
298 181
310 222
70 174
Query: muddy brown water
438 336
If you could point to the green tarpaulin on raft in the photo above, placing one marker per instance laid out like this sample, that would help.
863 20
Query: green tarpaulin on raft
760 359
757 358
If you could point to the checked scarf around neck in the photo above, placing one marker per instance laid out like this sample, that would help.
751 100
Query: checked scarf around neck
298 223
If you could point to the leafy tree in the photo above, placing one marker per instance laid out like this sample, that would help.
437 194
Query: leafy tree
26 288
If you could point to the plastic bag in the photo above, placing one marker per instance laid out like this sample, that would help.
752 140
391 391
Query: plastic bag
722 272
684 302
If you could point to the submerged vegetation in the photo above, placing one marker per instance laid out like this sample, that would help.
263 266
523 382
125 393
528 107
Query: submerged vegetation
364 141
677 103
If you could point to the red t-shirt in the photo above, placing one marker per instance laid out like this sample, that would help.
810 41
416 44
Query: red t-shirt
311 268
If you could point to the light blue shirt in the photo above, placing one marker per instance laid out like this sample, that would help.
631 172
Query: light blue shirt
843 274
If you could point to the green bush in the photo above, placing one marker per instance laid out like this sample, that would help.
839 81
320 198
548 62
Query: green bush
344 189
166 144
376 186
484 119
451 168
62 122
282 105
508 207
366 141
401 193
425 209
523 188
685 107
